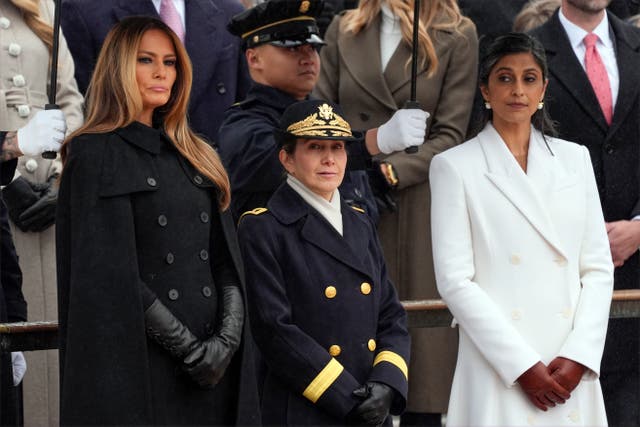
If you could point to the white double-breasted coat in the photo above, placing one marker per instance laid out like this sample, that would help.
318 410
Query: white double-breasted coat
523 262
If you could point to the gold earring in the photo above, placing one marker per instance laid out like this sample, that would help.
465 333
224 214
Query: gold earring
540 105
487 105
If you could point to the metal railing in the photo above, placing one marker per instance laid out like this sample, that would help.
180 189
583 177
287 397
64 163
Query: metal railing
33 336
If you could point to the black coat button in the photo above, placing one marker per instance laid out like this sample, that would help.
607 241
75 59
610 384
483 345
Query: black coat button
152 182
364 117
162 220
169 258
204 217
174 294
221 89
206 291
204 255
609 149
197 179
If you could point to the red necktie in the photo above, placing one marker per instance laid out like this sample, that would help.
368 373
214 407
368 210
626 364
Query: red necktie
170 16
598 76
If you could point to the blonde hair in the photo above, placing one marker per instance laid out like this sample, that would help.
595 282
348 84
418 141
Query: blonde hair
31 14
535 13
114 101
434 15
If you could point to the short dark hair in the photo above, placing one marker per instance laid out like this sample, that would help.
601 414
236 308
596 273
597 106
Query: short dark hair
492 50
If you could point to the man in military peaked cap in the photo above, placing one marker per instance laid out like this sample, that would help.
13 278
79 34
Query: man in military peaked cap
327 320
281 41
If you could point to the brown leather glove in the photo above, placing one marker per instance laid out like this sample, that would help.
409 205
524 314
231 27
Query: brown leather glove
566 372
541 388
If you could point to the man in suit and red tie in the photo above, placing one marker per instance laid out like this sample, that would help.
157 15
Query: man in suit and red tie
220 75
594 95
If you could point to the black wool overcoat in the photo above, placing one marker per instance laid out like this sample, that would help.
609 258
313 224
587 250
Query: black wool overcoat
134 218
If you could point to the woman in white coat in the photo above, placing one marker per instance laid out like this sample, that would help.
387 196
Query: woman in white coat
521 257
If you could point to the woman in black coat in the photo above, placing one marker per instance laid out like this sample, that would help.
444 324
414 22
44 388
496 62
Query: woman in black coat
150 300
325 316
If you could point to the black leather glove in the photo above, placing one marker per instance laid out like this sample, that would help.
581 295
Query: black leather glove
19 196
42 214
376 405
207 363
164 328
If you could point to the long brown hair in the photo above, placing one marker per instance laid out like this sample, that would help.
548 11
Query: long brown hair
31 14
114 101
434 15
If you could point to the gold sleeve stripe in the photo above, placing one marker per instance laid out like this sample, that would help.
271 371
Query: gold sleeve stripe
394 359
323 380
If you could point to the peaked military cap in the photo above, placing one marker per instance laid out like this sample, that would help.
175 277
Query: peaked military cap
284 23
313 119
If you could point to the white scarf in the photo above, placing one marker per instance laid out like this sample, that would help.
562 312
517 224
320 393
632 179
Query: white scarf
329 210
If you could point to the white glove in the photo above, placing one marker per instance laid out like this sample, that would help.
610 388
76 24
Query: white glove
406 128
44 132
19 366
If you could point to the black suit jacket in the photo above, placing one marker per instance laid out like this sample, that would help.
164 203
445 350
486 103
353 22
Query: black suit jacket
614 150
220 75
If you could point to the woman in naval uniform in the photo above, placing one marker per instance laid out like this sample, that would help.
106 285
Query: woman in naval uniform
329 326
151 306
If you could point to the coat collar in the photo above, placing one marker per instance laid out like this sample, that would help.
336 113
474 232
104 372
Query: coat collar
142 136
270 96
524 190
288 208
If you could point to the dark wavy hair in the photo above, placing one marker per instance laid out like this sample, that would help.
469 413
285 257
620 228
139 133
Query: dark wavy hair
492 50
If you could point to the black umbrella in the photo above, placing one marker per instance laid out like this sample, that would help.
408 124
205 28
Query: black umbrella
53 81
412 102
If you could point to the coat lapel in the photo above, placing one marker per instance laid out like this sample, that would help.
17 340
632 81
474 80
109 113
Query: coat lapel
398 71
288 207
523 190
628 57
202 20
567 71
361 56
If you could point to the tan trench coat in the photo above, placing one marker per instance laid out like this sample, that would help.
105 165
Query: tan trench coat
351 75
22 53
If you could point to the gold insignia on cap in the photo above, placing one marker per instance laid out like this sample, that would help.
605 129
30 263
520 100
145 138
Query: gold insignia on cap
323 123
304 6
256 39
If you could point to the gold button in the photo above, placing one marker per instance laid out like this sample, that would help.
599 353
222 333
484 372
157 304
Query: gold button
335 350
330 292
365 288
372 344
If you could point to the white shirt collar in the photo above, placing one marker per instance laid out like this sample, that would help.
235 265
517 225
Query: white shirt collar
330 210
577 34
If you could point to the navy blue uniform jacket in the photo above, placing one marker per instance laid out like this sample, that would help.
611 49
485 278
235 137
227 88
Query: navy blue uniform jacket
325 315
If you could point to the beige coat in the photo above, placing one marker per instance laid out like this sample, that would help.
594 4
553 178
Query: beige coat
351 76
22 53
523 261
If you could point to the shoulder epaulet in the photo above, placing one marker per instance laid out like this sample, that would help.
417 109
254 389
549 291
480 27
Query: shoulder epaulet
256 211
244 103
355 208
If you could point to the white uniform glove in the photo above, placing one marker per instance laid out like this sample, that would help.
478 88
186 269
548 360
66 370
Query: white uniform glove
19 366
406 128
44 132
